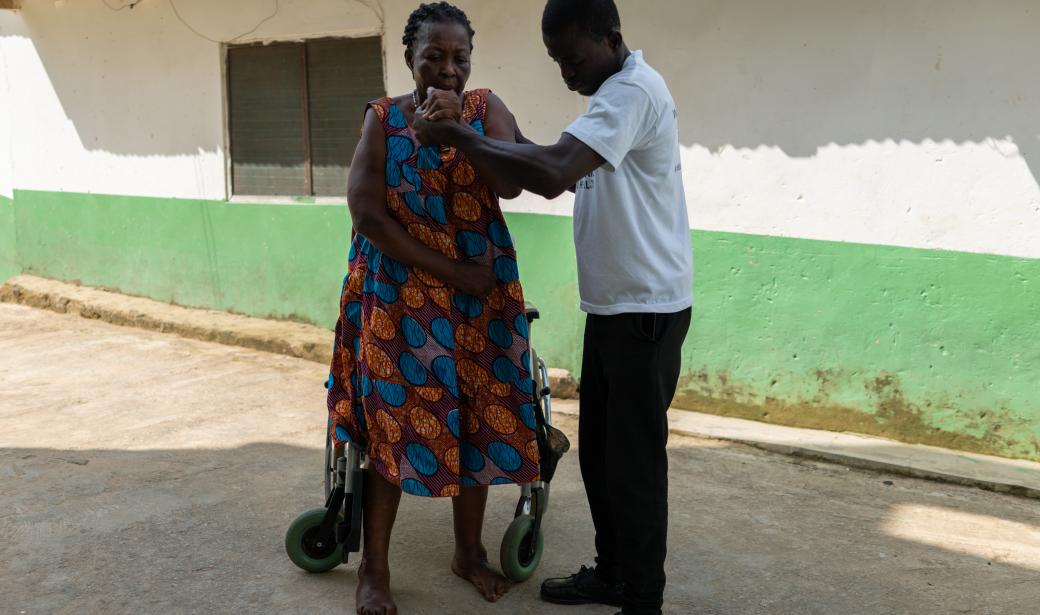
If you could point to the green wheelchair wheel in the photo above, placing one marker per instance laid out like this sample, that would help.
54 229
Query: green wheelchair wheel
518 563
301 548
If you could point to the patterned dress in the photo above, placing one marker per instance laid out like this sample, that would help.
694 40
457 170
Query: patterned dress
434 383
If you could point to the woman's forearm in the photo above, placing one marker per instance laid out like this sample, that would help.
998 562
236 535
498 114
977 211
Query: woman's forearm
390 238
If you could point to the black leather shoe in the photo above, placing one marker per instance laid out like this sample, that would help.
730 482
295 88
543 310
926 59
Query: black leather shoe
583 587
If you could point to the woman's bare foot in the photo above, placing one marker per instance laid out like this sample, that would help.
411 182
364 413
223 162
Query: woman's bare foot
373 592
474 568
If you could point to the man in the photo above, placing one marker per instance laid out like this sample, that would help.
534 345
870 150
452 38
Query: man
635 280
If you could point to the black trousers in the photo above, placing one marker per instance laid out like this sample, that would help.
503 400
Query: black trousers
629 373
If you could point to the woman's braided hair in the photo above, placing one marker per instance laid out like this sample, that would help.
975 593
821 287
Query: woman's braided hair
439 12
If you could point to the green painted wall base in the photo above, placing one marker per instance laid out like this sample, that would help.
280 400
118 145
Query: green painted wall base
918 345
8 254
923 346
282 261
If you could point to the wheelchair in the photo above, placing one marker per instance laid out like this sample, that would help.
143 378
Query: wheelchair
323 538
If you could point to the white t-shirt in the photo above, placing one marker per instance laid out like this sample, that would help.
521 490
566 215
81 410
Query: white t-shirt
631 231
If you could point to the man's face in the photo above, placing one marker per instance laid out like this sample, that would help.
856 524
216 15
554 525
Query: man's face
585 62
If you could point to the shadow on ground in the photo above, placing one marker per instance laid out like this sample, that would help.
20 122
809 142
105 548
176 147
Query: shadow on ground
92 531
144 473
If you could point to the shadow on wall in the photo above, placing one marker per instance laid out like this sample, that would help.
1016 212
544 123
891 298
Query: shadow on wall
114 98
138 81
804 74
795 75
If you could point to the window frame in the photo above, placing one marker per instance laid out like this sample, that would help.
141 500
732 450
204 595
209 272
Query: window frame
225 86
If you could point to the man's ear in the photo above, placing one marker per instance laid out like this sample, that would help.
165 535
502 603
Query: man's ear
614 39
409 58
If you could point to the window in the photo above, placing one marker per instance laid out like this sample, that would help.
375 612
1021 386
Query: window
295 113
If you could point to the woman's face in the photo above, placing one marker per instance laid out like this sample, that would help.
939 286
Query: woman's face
440 57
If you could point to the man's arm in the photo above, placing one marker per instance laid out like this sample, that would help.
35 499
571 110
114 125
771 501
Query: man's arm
520 138
545 170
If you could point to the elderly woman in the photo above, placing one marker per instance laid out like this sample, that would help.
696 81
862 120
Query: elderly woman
430 372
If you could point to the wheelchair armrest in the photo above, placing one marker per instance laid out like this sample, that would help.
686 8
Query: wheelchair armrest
531 312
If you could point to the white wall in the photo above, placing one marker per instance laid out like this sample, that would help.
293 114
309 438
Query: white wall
131 101
888 122
10 27
884 122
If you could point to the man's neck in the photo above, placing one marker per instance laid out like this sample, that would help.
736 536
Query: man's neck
623 55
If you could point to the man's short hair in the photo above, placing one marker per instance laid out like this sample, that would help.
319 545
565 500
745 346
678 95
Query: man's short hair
597 17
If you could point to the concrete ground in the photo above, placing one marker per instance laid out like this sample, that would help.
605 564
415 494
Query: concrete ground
146 473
